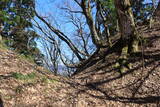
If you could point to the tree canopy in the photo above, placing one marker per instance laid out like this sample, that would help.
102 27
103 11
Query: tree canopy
16 25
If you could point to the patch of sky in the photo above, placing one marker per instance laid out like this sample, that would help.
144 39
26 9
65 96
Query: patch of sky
58 17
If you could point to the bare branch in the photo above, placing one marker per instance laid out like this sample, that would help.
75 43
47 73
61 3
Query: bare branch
72 11
62 36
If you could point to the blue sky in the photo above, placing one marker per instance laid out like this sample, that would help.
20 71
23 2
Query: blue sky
45 7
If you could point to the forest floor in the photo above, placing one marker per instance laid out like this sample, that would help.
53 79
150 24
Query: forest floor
23 84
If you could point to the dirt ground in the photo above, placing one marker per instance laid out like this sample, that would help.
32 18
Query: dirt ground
23 84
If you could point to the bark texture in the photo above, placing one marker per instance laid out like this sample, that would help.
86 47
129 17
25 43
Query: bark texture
156 14
129 34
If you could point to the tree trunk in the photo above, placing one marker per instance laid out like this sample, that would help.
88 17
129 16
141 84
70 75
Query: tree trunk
154 4
86 7
157 11
156 14
0 32
129 35
1 102
0 38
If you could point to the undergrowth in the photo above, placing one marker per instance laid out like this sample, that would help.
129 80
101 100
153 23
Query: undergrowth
21 76
3 46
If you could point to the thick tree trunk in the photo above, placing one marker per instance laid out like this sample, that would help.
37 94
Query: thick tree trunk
129 34
127 26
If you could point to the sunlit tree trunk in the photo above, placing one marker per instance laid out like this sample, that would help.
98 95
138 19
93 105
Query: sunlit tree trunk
127 26
129 35
86 7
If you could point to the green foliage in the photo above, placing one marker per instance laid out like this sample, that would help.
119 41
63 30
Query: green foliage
141 9
21 76
15 19
3 45
33 56
27 57
109 11
108 4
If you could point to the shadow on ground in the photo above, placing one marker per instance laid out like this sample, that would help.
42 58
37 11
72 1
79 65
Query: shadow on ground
139 85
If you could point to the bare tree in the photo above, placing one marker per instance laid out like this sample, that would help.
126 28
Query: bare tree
51 58
53 51
81 49
81 35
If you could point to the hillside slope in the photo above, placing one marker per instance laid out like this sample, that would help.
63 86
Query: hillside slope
23 84
138 87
